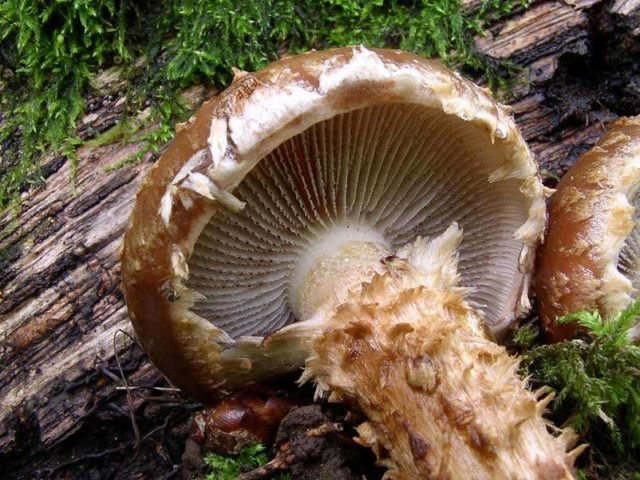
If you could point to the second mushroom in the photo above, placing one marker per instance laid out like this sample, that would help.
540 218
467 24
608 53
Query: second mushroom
591 257
370 216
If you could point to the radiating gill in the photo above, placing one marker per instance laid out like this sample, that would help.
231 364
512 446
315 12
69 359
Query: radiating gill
400 170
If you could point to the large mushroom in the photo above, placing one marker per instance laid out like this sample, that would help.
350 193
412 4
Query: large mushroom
287 226
591 256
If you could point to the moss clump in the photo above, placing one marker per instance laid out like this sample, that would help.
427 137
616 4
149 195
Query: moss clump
50 52
597 381
222 467
227 468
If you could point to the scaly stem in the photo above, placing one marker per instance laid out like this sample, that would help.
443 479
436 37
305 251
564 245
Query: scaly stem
441 399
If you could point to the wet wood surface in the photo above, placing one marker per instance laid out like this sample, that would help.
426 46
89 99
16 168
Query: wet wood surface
63 321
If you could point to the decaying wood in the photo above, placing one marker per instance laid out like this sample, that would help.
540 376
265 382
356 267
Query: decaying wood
60 299
581 71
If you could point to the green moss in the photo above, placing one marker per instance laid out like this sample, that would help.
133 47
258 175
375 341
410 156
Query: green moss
9 250
52 51
9 228
222 467
121 132
597 381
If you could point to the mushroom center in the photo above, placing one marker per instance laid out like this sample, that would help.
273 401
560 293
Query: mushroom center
332 266
382 174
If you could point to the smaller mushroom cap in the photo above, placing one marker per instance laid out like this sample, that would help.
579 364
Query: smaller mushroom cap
591 256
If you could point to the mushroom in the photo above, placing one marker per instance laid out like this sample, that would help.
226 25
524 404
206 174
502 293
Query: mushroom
591 257
312 215
240 420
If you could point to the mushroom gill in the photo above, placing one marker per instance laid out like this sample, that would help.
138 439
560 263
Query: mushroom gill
386 173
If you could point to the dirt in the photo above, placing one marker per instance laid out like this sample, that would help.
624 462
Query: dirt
312 441
329 454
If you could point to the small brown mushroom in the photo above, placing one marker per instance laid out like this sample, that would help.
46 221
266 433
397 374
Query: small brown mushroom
241 419
283 228
591 257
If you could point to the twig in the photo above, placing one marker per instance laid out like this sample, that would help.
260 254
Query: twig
133 339
88 456
132 416
162 399
158 428
172 473
93 456
276 465
160 389
109 374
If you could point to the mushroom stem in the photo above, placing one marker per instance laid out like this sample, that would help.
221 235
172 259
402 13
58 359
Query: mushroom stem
339 262
441 399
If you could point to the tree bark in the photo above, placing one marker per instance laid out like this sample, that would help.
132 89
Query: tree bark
63 321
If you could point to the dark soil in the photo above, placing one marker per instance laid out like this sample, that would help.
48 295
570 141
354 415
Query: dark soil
331 455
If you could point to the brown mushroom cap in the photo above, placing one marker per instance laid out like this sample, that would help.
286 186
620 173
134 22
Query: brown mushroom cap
591 257
377 145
